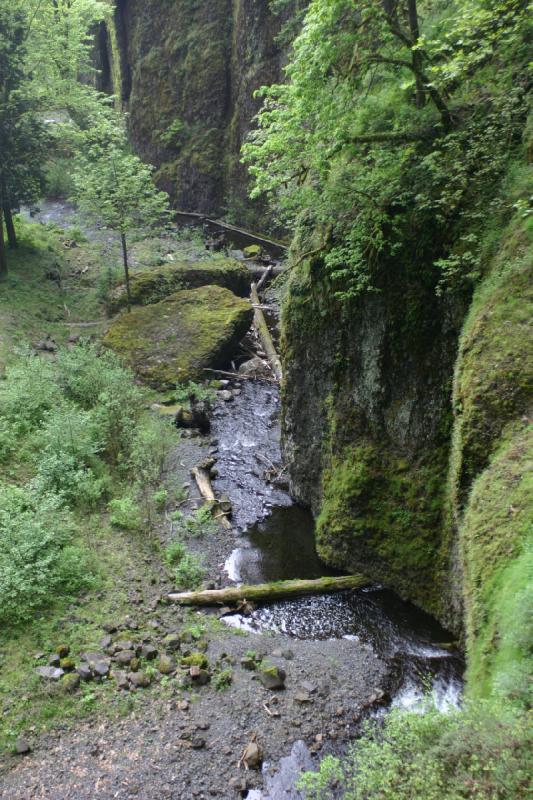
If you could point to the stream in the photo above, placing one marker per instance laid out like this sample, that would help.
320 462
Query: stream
276 542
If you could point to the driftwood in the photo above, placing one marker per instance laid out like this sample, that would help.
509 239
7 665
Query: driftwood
269 591
203 481
264 334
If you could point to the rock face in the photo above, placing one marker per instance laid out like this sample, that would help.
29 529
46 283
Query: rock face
176 339
150 286
366 426
187 76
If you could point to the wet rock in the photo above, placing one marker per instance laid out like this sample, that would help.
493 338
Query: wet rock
252 366
22 747
70 682
225 395
166 665
271 676
49 673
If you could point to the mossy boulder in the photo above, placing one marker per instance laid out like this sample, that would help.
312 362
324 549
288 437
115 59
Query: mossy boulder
176 339
152 285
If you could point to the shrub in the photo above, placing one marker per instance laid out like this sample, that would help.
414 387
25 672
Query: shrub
29 390
149 450
174 552
160 499
98 381
37 563
67 459
125 513
198 524
223 679
189 572
479 753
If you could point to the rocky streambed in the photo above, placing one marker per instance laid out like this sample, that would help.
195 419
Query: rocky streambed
338 658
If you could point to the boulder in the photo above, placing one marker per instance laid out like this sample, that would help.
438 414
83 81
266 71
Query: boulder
50 673
70 682
252 251
173 341
166 665
151 286
271 677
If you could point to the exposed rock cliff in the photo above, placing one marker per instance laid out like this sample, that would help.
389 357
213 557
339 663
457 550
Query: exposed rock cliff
392 452
188 74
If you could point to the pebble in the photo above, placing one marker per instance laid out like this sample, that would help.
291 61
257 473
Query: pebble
22 747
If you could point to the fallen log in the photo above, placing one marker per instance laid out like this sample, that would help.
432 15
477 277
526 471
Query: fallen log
264 333
203 481
268 592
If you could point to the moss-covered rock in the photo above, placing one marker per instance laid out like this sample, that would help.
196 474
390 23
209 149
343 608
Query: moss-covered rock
381 514
176 339
497 547
150 286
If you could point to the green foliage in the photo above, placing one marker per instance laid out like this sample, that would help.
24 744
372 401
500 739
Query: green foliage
477 753
65 425
125 513
196 525
223 679
175 552
160 499
201 392
36 560
189 572
380 133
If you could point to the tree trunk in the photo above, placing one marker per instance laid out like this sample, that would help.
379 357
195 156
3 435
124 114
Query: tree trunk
203 481
11 233
269 591
126 268
412 15
264 334
3 259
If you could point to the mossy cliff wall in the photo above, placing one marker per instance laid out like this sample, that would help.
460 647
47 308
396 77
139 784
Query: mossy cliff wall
189 70
404 426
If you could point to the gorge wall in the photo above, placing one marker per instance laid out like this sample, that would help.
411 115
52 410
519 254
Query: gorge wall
408 428
188 72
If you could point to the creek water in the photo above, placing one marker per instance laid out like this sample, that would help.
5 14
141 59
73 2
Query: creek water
277 542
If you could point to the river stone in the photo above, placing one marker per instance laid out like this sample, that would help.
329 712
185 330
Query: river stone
125 657
151 286
50 673
22 747
176 339
166 665
271 677
70 682
139 679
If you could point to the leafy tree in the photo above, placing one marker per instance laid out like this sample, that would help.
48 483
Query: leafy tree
115 186
386 131
22 135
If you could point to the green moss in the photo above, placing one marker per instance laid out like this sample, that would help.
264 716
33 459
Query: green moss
494 372
497 544
195 660
381 515
176 339
150 286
